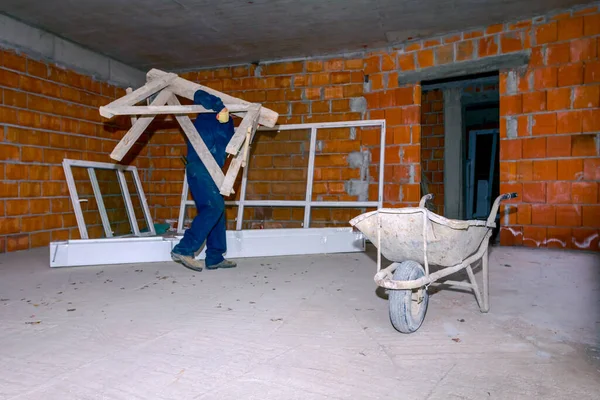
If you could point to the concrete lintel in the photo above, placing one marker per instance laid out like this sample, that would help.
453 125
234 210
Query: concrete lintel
46 46
483 65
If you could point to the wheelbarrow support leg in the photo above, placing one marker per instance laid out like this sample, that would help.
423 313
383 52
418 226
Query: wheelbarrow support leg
486 282
475 287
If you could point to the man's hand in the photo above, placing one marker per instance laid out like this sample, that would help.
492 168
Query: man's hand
223 116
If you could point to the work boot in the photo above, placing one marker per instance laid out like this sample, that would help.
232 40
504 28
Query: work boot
222 264
188 261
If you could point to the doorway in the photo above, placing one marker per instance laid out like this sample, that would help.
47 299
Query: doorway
461 117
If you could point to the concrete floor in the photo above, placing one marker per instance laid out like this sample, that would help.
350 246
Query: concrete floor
310 327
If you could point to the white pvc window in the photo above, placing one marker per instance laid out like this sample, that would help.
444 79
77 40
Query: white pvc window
308 203
120 171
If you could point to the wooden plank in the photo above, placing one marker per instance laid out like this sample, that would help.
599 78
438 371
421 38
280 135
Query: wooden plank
240 133
133 117
139 94
138 128
238 161
185 88
160 110
483 65
190 131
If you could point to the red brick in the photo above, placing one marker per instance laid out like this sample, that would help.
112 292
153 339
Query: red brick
545 78
472 34
534 236
534 102
559 99
585 192
534 148
15 99
585 239
583 49
591 215
511 105
511 236
39 239
9 152
583 145
568 215
488 46
406 62
592 73
569 169
510 149
587 96
570 75
464 50
591 169
334 65
524 214
425 58
511 42
314 66
353 90
356 63
558 146
543 214
569 122
544 170
559 53
591 25
534 192
570 28
559 192
525 170
543 124
17 242
558 238
444 54
494 29
546 33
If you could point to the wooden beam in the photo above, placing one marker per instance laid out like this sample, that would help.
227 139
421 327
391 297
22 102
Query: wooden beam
194 137
139 94
239 136
240 159
160 110
185 88
138 128
133 117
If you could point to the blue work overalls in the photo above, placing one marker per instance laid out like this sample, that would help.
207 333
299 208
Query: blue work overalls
209 224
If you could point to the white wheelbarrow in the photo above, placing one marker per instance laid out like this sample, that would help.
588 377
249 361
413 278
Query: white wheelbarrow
414 238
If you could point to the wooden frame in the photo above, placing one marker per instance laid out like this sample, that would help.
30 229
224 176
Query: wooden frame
167 86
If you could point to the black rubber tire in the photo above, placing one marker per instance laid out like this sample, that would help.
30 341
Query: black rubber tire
402 315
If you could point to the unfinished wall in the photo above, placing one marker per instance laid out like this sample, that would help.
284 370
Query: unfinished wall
549 146
48 113
432 145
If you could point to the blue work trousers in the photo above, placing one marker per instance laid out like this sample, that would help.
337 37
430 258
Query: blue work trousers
209 224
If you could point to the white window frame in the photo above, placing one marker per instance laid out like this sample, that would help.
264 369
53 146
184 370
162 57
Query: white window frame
120 171
307 203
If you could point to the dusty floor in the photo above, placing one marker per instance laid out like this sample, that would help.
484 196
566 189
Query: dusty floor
294 328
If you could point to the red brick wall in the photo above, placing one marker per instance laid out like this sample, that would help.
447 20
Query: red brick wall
549 156
553 160
549 131
47 114
432 145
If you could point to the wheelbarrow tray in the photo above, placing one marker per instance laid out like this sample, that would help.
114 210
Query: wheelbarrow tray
403 232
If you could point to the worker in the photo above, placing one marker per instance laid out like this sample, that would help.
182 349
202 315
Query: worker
215 129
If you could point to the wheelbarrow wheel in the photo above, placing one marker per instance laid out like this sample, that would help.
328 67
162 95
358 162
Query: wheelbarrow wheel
408 307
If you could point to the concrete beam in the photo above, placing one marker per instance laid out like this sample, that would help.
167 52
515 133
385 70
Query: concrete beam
483 65
46 46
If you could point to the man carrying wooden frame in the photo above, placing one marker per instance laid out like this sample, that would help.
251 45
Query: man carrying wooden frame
216 130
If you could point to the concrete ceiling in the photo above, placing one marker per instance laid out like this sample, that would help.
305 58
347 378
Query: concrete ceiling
186 34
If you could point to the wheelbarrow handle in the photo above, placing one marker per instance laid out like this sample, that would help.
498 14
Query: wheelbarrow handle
425 199
491 221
